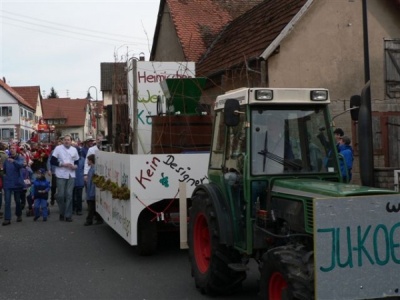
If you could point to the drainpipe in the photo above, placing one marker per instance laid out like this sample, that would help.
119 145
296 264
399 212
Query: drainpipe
365 145
263 63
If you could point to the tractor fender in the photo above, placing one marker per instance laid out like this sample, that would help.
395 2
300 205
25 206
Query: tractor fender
221 206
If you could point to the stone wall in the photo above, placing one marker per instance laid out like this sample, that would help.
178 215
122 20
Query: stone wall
384 178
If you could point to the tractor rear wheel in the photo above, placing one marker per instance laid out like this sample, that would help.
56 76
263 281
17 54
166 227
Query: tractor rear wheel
209 259
287 272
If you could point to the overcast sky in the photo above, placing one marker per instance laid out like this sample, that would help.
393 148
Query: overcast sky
61 44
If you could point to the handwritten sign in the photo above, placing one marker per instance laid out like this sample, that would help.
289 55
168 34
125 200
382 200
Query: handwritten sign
149 75
357 247
150 178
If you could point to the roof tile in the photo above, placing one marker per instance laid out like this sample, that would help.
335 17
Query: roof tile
198 22
30 93
249 35
73 110
17 96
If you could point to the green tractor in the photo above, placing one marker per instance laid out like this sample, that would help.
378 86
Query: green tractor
276 194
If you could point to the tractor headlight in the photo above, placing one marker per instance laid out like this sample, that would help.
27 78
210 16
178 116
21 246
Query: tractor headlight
264 95
319 95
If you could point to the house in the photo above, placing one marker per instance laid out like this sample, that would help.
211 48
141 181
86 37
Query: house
297 43
70 116
16 115
32 95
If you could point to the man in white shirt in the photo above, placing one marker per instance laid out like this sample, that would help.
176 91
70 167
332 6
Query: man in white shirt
65 159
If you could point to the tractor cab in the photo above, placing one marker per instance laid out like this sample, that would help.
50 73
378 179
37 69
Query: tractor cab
262 136
276 194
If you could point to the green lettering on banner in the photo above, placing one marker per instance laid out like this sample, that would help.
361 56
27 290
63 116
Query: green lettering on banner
393 244
380 247
361 247
332 266
143 120
386 244
150 98
349 261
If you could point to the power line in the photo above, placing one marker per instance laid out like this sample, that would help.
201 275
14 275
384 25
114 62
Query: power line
71 37
65 30
60 24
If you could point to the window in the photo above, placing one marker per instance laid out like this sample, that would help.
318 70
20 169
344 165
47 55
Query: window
49 121
62 121
30 116
21 111
286 141
7 133
5 111
75 136
392 64
24 134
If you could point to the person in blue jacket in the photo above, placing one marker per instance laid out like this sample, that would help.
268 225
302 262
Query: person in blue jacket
346 150
13 183
40 193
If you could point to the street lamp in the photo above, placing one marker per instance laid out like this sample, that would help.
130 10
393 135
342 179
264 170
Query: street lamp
97 115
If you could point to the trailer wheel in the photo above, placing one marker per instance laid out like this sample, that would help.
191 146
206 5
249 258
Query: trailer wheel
209 259
147 236
287 272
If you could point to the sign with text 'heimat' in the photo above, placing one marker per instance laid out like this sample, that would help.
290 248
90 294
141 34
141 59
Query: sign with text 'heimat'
150 178
357 247
145 77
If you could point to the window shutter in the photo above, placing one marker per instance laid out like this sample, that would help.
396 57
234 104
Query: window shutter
392 61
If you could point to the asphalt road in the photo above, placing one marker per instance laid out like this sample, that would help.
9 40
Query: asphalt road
60 260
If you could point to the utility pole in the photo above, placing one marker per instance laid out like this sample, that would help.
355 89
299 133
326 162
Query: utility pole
114 110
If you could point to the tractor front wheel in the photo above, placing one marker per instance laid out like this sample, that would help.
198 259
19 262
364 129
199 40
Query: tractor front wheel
287 272
209 259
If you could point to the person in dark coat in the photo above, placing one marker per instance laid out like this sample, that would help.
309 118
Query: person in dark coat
13 183
91 194
79 184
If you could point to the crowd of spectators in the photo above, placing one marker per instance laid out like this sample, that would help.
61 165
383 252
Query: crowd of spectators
30 159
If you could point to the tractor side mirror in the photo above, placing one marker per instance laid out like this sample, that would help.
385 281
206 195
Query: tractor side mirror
355 102
231 112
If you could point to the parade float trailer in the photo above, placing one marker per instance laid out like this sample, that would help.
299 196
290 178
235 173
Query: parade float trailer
140 194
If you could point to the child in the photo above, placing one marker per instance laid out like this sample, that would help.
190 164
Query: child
40 193
91 194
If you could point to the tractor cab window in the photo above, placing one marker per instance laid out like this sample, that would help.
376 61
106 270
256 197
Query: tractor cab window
236 147
286 141
217 151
